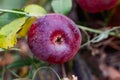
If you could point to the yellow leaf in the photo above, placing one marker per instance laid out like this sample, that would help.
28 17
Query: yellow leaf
8 33
35 10
25 28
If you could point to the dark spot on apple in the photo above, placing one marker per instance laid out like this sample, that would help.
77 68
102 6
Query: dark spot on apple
59 40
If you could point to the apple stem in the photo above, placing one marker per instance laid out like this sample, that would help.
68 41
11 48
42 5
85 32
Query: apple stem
13 11
63 71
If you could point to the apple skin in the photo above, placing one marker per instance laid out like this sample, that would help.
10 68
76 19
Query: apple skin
94 6
54 38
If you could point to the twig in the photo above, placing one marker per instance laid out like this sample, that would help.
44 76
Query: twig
46 68
12 11
63 71
99 31
102 34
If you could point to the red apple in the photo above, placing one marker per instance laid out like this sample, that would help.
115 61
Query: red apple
94 6
54 38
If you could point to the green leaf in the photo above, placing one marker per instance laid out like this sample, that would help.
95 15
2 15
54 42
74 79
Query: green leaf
35 10
62 6
20 63
104 35
7 18
25 62
8 33
101 37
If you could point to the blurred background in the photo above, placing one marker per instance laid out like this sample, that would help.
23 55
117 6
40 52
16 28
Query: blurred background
97 61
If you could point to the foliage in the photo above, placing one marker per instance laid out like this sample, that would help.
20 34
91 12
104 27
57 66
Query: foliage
59 6
8 33
16 20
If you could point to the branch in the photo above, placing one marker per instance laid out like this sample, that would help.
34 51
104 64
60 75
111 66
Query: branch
99 31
